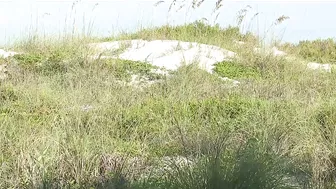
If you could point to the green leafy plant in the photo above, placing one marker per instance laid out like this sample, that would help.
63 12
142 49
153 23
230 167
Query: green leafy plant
235 70
123 69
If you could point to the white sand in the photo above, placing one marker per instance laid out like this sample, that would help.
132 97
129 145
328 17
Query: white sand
6 54
168 54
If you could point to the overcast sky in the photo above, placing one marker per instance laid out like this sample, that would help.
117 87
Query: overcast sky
18 18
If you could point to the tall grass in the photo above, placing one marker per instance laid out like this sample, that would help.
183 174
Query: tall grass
320 50
66 122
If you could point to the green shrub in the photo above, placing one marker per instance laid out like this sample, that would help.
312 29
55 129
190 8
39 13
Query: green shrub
46 64
234 70
29 60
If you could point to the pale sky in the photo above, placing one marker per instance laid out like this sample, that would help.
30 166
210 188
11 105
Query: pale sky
18 18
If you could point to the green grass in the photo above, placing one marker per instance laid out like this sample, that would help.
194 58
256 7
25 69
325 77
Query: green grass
123 69
193 32
320 50
247 167
66 122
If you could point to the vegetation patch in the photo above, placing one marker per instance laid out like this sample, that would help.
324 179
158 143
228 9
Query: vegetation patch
124 69
235 70
7 93
326 119
63 115
320 50
50 64
248 167
197 31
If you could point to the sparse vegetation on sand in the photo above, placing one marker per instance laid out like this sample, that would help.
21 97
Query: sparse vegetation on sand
67 122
